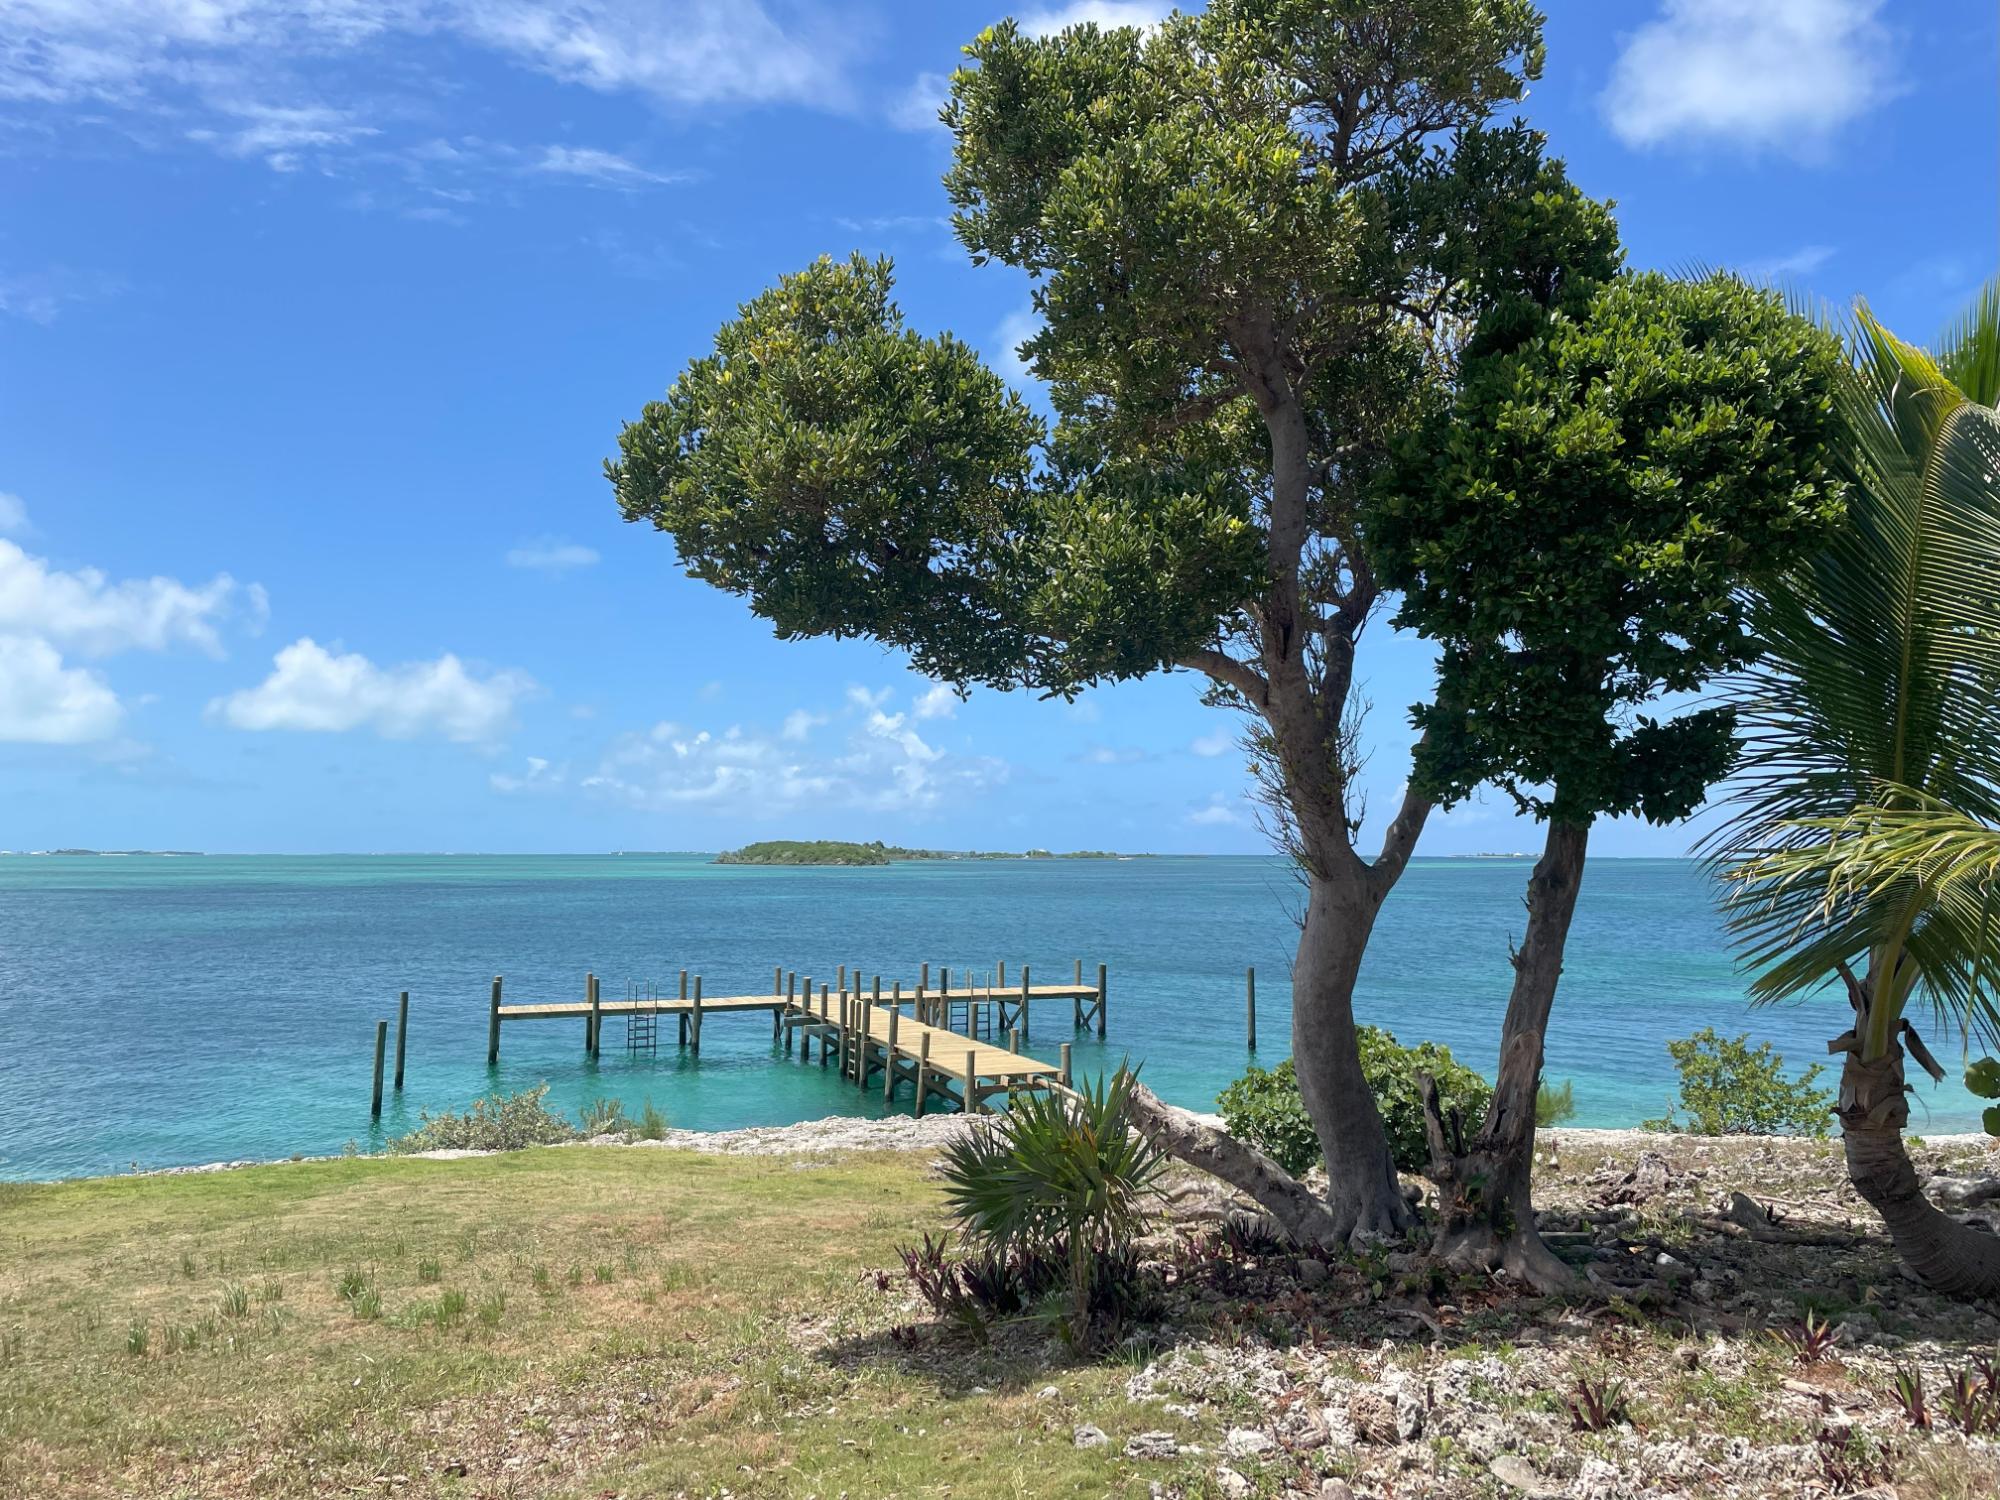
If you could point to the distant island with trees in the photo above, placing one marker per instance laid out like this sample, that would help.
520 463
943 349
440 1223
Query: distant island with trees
839 852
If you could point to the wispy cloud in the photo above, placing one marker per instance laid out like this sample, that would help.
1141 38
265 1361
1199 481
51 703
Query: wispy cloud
275 80
938 701
41 296
1015 329
1218 742
314 689
1801 262
868 760
1783 75
605 168
916 108
1105 14
550 554
13 513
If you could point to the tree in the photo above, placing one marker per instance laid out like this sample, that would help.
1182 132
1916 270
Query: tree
1860 849
1578 528
1254 236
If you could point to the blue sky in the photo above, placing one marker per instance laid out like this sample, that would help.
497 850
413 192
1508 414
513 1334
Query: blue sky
317 318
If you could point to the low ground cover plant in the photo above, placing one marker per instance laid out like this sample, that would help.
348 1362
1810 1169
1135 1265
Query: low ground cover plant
508 1122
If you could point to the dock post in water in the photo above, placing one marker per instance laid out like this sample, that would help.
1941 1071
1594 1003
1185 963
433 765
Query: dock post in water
889 1056
493 1026
1103 1000
1014 1041
1250 1002
381 1043
1024 1001
402 1030
867 1025
1064 1074
694 1022
593 1026
791 1004
972 1102
923 1069
1076 1001
826 1019
683 1014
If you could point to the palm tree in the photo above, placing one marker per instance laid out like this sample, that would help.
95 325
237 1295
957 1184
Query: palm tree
1861 844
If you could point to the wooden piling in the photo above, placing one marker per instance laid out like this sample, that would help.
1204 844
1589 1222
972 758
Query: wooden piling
1250 1002
861 1043
493 1026
778 980
1000 976
924 976
1024 1000
1076 1001
595 1024
682 1017
1064 1074
694 1020
889 1057
1103 1000
972 1102
923 1070
381 1045
1014 1041
402 1031
826 1017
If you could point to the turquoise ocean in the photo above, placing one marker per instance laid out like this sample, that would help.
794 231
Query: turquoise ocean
165 1011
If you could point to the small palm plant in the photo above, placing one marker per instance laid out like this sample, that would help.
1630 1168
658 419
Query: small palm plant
1062 1176
1863 847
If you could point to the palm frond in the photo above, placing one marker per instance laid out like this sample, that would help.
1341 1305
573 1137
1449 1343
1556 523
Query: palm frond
1969 348
1873 719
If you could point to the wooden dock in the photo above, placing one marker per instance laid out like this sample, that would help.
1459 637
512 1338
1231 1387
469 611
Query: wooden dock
879 1036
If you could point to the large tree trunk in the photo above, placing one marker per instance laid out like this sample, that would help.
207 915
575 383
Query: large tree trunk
1486 1209
1179 1133
1363 1196
1947 1256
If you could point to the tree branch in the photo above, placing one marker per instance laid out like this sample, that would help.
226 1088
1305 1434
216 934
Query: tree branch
1227 670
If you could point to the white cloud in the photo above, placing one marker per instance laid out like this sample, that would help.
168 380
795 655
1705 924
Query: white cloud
13 513
551 554
312 688
540 776
286 80
1781 74
862 697
1220 742
606 168
1801 262
918 107
1217 812
44 702
85 610
875 762
1015 329
800 723
41 296
1105 14
937 701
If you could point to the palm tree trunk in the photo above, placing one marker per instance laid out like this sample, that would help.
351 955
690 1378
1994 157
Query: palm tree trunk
1486 1215
1947 1256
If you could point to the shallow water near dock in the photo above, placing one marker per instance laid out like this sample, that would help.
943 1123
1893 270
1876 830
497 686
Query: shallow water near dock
166 1011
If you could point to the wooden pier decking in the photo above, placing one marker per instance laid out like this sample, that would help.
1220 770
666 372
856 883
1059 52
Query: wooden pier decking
879 1037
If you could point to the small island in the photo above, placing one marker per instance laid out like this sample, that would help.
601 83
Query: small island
841 852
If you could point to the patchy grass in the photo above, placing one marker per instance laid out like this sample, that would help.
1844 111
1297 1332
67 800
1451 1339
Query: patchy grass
726 1336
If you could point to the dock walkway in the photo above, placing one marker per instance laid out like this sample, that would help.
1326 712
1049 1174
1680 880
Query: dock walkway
903 1035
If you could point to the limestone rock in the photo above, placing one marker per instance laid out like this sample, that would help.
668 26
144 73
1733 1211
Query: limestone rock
1152 1445
1088 1436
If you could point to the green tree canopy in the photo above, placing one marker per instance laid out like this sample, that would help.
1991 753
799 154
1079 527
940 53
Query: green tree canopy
1579 525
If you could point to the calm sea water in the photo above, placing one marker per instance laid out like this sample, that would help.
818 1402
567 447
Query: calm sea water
167 1011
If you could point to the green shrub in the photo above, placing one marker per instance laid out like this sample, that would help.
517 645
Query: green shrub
1555 1103
1728 1088
606 1117
1264 1108
494 1124
1068 1180
652 1124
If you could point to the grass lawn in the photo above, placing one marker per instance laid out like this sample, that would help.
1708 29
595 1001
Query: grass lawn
550 1322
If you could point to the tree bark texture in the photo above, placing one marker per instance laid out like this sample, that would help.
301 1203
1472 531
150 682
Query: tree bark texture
1486 1215
1948 1256
1181 1134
